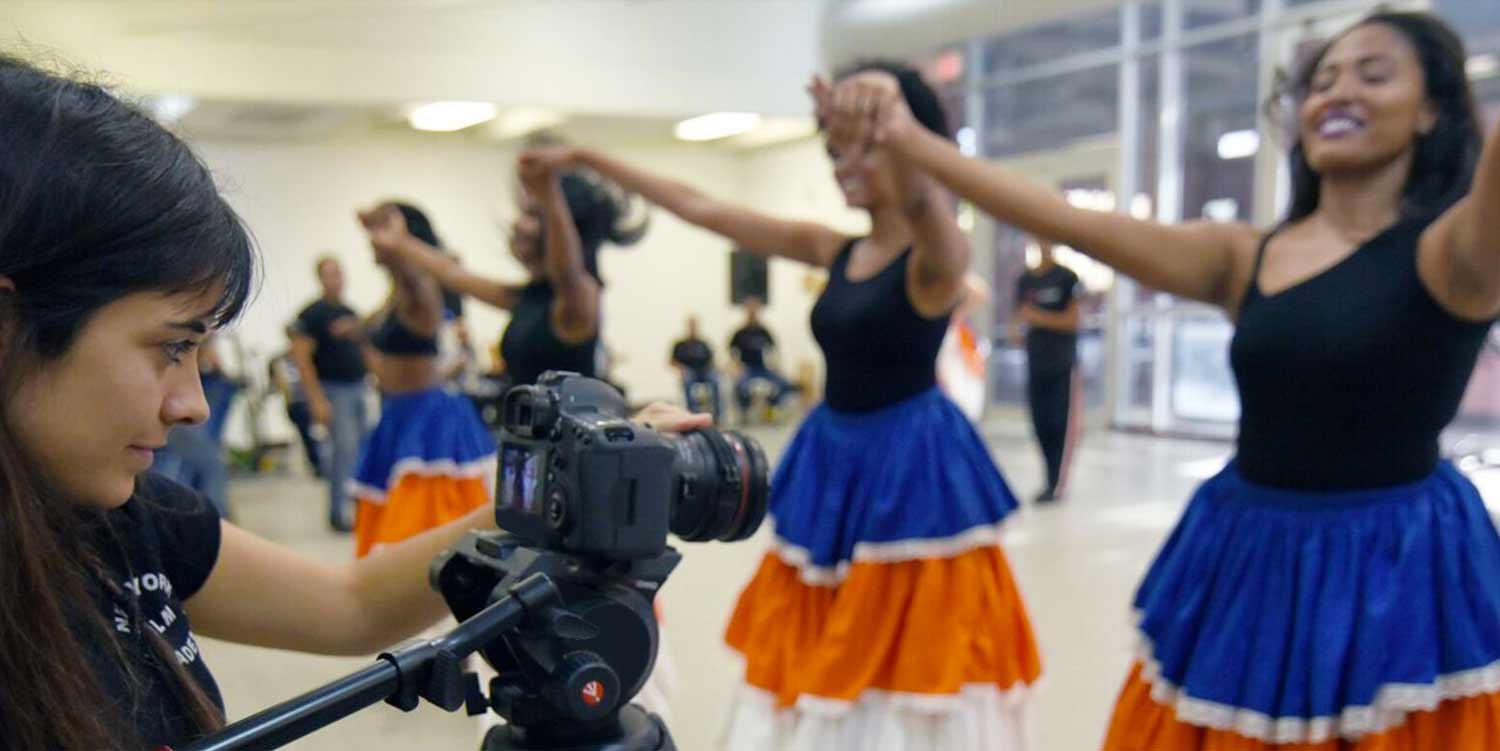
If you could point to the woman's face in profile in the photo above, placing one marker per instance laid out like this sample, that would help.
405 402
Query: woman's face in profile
92 419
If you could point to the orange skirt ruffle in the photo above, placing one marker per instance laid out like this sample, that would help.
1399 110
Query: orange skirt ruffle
1142 724
927 626
414 505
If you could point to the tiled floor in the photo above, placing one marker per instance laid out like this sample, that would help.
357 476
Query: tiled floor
1077 564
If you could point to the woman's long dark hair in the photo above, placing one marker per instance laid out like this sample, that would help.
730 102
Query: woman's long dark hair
603 213
920 97
1443 165
96 202
418 224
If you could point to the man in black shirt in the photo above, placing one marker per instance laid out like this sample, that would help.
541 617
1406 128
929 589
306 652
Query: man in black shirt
694 358
326 347
752 347
1047 304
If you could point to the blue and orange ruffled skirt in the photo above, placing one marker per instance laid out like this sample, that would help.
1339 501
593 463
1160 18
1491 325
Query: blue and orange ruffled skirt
429 461
885 617
1302 621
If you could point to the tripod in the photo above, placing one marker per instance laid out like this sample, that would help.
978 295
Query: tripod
573 640
633 729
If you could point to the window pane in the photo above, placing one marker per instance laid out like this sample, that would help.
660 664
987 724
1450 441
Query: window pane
1051 112
1151 21
1479 24
1199 14
1053 41
1221 134
1203 387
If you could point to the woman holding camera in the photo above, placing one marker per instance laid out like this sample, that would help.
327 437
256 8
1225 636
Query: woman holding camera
885 616
117 257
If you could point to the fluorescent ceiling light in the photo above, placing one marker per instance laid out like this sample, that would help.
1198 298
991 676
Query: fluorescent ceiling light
717 125
1238 144
773 130
170 108
516 122
1483 66
449 116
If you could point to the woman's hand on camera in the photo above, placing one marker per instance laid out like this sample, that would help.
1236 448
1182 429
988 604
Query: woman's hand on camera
671 418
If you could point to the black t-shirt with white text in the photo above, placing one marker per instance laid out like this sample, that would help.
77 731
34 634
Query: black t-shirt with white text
1053 291
158 549
751 344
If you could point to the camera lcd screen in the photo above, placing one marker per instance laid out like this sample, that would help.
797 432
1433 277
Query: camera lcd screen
521 473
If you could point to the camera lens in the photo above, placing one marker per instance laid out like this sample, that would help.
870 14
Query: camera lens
721 487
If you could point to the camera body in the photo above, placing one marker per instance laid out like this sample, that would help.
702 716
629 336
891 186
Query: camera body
575 474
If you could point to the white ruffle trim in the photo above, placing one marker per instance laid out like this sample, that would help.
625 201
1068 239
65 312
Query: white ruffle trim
899 551
483 468
1393 702
978 718
656 696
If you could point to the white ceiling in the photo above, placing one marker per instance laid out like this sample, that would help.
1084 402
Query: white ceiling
662 58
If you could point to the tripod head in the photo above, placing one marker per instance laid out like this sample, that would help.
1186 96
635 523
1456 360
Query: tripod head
570 668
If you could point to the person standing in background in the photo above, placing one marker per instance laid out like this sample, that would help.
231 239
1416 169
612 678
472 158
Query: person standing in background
1047 305
326 348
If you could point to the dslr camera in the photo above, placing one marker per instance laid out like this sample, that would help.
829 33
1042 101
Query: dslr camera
576 475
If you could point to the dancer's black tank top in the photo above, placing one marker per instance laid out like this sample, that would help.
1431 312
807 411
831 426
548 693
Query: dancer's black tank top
1347 378
879 349
530 346
393 338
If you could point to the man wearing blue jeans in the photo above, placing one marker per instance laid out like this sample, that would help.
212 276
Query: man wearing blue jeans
751 346
694 358
326 348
